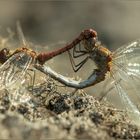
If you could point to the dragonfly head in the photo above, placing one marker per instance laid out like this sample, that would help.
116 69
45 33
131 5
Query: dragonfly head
89 39
89 33
90 44
4 55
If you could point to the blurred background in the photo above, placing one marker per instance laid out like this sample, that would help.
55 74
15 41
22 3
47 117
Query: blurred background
45 22
48 23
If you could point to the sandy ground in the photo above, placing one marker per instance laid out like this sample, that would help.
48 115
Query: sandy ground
53 115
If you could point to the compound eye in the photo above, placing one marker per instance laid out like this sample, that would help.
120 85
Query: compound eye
93 32
4 55
89 44
89 33
5 51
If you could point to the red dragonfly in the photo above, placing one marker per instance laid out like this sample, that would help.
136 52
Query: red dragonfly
119 69
16 63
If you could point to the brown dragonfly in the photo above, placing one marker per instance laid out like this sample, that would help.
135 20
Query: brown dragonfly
120 70
17 71
15 64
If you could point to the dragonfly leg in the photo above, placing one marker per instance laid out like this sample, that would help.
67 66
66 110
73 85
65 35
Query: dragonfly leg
76 67
73 92
80 52
32 78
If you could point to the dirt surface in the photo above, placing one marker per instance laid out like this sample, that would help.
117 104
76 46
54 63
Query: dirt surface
53 115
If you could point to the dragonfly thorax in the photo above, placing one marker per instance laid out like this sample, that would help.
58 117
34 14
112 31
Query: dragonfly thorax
102 58
27 51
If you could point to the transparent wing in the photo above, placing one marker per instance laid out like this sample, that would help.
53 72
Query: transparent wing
128 57
21 35
126 77
13 73
19 77
14 69
128 90
129 48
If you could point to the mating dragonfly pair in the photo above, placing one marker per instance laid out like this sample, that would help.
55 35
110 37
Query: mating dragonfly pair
121 68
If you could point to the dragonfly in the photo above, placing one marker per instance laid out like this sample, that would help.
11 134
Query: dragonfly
120 70
17 64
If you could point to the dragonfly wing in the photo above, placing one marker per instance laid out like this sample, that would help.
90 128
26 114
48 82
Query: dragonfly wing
126 77
129 49
128 57
14 69
125 85
127 60
21 35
